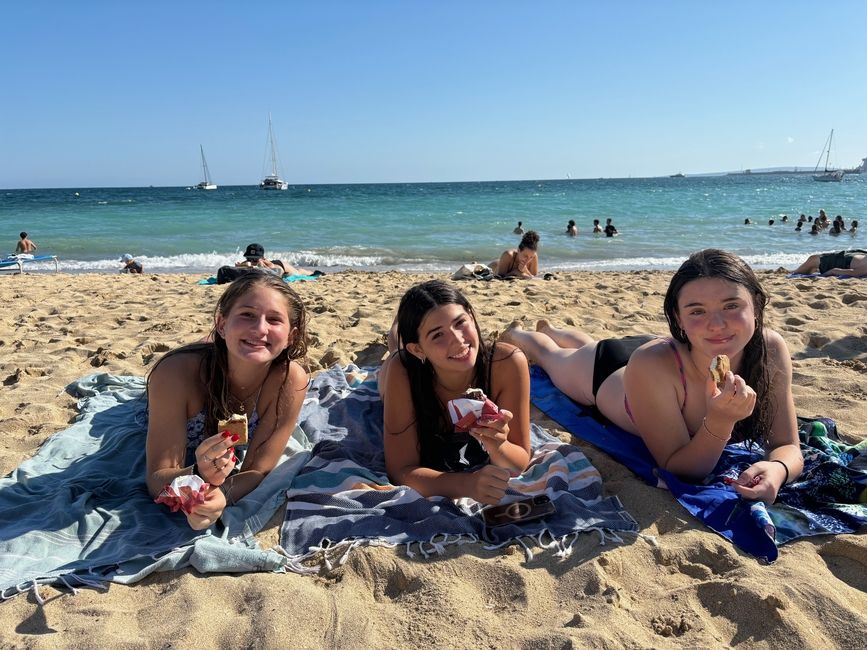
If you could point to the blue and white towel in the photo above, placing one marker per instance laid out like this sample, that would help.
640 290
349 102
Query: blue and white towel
342 497
79 513
829 497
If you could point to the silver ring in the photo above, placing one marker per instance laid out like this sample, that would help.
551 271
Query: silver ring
214 463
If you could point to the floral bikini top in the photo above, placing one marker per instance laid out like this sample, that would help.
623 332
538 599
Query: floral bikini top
196 434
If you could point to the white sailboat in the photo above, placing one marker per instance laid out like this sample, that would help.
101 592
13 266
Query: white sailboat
273 181
827 176
206 184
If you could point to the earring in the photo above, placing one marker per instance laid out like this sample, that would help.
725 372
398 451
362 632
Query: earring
423 360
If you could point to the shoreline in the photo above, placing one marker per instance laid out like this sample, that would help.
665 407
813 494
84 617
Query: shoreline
677 585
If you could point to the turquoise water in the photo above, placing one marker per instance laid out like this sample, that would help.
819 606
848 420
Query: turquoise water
433 226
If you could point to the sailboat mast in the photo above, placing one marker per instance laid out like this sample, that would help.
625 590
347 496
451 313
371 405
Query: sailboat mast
273 148
205 173
828 153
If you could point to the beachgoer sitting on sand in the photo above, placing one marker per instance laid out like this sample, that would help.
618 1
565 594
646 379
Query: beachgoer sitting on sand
249 365
571 228
130 265
437 353
25 245
661 389
852 263
522 262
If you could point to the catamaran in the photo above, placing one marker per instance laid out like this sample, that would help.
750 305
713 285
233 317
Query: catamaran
827 176
273 181
206 184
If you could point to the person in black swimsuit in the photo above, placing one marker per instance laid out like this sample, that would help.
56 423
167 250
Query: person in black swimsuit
437 353
851 263
661 389
522 262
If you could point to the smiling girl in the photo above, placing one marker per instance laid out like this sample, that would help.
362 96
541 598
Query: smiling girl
437 355
249 365
661 389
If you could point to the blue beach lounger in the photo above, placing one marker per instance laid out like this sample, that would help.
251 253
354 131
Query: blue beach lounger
16 262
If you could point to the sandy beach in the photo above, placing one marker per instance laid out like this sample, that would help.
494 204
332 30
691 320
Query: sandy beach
691 588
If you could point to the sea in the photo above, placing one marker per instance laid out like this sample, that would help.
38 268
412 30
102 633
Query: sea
434 227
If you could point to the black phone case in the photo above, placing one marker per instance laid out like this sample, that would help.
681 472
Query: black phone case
518 512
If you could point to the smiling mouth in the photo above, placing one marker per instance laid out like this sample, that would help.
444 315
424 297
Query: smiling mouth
463 354
255 344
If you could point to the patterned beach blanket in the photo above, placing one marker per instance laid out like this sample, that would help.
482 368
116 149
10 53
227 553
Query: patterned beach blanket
79 513
829 497
342 497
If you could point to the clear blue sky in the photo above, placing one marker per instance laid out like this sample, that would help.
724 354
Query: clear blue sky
122 93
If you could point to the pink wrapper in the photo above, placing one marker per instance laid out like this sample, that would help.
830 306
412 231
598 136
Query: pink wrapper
184 493
465 412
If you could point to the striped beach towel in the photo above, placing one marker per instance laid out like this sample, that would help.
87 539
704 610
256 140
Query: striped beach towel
342 497
79 514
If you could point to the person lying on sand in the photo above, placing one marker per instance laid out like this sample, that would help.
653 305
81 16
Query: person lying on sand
522 262
437 353
254 257
662 390
249 365
852 263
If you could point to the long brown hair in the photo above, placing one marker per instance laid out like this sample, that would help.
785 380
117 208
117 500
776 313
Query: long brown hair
214 365
715 263
430 417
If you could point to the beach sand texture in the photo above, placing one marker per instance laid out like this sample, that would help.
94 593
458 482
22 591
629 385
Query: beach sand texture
689 589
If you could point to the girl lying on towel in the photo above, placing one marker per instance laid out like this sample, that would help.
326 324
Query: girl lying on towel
662 389
248 366
437 354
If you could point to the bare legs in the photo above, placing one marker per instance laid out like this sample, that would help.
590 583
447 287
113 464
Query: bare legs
567 356
808 267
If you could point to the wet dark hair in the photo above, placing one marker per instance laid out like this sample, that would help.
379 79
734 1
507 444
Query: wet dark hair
214 366
529 240
715 263
417 302
23 235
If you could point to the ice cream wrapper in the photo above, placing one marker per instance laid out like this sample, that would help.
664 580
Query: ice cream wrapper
465 412
184 493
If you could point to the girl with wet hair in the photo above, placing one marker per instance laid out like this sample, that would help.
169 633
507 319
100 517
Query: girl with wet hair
662 390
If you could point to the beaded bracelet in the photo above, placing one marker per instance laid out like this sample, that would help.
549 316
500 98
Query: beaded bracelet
711 433
785 467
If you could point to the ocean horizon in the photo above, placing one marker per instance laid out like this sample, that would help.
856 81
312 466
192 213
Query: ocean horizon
435 226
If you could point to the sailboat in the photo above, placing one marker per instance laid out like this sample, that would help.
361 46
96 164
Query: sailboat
827 176
273 181
206 184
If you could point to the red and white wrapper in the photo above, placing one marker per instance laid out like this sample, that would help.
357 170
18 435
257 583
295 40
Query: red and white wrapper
184 493
465 412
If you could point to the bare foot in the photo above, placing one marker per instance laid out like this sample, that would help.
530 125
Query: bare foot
542 325
506 336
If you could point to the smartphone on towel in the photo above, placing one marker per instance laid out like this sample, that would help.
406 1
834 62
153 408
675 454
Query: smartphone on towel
517 512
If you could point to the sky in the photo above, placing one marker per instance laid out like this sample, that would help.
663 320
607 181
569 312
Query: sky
105 94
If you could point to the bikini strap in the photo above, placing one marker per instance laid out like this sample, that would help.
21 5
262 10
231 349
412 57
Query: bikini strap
679 366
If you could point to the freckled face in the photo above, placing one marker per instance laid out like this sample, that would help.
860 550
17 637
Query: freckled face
448 338
718 316
257 326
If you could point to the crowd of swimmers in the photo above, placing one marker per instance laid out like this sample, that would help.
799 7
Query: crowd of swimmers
609 230
818 225
655 387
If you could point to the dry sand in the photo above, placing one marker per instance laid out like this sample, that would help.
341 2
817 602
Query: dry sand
693 589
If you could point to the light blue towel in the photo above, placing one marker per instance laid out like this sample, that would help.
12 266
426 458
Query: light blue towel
79 513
